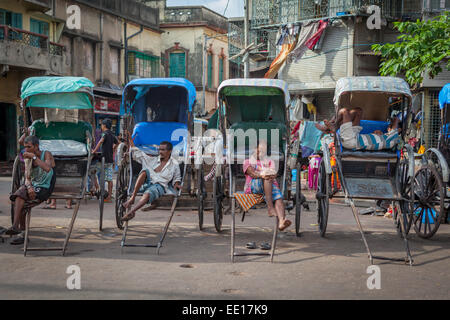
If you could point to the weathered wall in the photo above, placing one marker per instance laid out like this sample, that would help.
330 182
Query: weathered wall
320 70
98 55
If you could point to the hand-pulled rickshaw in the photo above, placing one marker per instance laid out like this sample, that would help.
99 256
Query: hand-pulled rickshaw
250 111
431 186
61 110
156 110
378 175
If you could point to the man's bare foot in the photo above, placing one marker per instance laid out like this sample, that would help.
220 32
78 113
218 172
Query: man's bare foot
284 224
272 212
128 216
128 203
150 207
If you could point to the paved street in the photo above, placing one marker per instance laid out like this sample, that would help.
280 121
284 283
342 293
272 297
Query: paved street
196 265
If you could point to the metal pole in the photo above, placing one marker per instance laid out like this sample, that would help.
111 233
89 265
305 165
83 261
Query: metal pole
246 58
204 71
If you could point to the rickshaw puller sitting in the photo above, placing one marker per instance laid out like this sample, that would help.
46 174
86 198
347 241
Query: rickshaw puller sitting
155 176
260 178
38 186
350 129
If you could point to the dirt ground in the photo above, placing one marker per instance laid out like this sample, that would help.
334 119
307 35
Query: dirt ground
196 264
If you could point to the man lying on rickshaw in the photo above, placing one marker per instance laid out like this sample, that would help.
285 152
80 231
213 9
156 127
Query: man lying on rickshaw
156 175
260 178
38 187
349 123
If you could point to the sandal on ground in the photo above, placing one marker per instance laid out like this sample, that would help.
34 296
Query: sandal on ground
67 207
18 240
265 246
286 224
49 208
251 245
12 231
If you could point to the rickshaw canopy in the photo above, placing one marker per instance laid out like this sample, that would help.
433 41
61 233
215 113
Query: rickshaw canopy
372 94
444 96
142 86
67 93
254 87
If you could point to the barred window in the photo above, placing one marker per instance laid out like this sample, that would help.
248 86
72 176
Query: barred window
143 65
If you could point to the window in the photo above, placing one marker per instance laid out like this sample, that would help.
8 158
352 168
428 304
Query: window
210 70
177 64
40 27
143 65
11 19
221 63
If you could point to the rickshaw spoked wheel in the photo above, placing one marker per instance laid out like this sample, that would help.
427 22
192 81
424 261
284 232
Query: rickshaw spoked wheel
429 205
200 196
101 197
322 196
17 180
298 199
121 194
218 194
406 190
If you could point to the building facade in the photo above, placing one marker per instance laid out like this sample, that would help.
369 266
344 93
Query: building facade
30 45
344 48
116 41
196 48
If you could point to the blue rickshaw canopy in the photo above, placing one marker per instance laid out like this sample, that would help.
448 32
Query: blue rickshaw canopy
141 86
444 96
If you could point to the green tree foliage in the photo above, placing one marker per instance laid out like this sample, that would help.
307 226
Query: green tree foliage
424 46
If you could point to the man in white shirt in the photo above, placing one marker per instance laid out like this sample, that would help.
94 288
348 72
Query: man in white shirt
156 175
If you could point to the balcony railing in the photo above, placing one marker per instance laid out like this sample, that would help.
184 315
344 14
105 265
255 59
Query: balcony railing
30 39
270 13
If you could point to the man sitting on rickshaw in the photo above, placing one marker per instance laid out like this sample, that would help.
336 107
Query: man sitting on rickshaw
350 128
156 175
260 178
38 187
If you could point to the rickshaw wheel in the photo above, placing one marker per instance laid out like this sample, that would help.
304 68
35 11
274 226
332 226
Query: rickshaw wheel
102 192
200 196
428 208
218 194
406 190
121 194
298 199
322 195
17 181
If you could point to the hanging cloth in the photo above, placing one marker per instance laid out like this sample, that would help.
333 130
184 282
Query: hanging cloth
278 62
307 31
311 42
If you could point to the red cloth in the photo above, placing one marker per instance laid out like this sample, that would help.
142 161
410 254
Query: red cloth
296 128
311 42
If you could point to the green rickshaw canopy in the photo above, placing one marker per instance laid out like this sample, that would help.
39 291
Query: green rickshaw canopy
58 92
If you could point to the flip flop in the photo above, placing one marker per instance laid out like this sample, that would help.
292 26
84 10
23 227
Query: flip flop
49 208
251 245
12 231
286 224
265 246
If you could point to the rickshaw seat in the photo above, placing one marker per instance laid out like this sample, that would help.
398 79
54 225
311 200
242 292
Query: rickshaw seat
387 154
61 130
148 135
